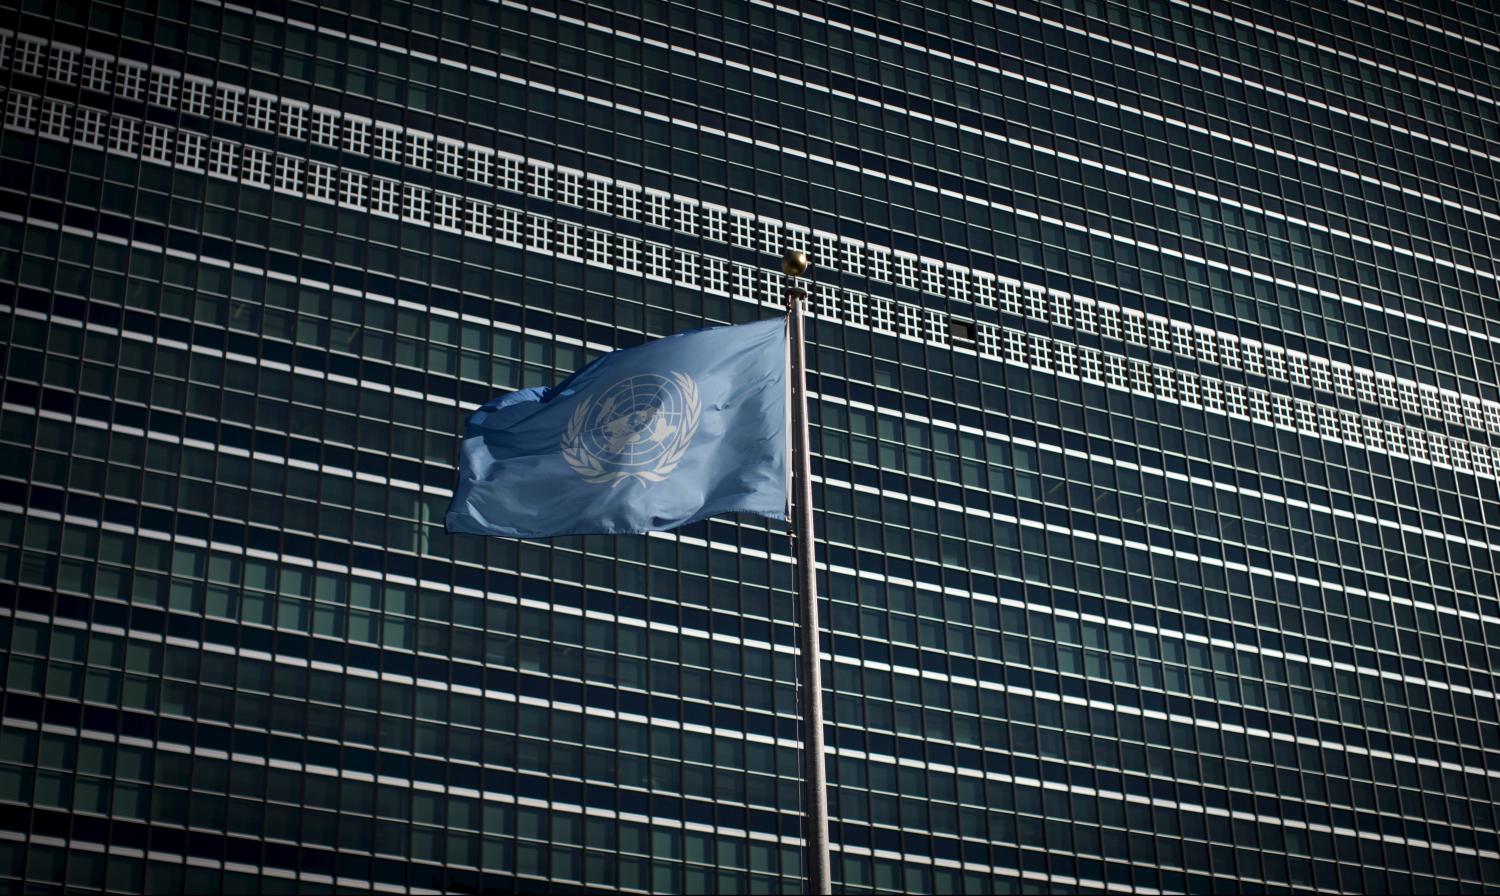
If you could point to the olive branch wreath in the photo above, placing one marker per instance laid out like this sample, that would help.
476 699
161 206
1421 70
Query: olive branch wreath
589 467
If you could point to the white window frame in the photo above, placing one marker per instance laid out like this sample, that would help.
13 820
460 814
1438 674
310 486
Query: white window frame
156 143
984 289
325 127
508 172
290 174
192 150
416 203
539 233
419 150
98 72
569 240
354 188
599 194
224 159
56 120
655 208
30 56
130 80
447 211
570 187
882 314
257 166
481 165
880 263
742 230
62 64
385 142
508 226
629 253
477 218
293 120
229 103
163 89
322 182
357 134
385 196
449 158
198 96
260 112
906 270
90 127
598 248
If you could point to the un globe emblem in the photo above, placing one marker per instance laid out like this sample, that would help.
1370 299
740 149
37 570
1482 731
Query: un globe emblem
639 428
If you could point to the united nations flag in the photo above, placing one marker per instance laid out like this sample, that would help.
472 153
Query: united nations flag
642 439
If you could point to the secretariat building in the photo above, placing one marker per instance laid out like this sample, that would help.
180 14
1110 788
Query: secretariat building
1156 432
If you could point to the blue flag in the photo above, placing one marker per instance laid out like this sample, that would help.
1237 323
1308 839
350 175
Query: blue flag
643 439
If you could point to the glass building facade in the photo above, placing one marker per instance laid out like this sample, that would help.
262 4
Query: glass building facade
1156 420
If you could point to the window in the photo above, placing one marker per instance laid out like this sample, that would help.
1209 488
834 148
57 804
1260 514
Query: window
598 247
229 103
1285 416
293 120
1234 399
1061 312
569 239
656 209
508 173
770 236
715 274
57 119
1086 320
357 135
1015 346
197 96
569 187
164 88
261 112
130 80
224 159
1160 339
911 320
1040 355
1089 364
1135 326
1109 320
63 64
289 172
713 223
1140 377
447 211
5 48
744 280
1036 302
825 300
416 203
1260 405
1254 358
1296 364
936 326
657 264
257 166
1206 344
984 290
325 127
1275 362
90 127
191 150
450 158
882 314
742 230
687 266
1229 347
481 165
419 150
538 233
854 307
31 56
880 264
477 217
1010 296
630 254
387 143
906 270
97 71
1409 400
1188 385
932 277
852 256
988 339
540 180
156 143
385 196
354 188
1182 339
1213 394
322 182
598 193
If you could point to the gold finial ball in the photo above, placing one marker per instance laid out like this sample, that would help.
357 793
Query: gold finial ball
795 263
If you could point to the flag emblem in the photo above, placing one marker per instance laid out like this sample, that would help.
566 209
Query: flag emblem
638 429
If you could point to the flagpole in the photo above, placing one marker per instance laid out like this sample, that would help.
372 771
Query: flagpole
814 777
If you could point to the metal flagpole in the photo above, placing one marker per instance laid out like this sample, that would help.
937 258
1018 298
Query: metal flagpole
814 777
